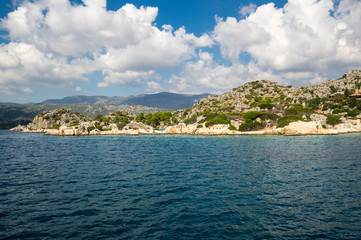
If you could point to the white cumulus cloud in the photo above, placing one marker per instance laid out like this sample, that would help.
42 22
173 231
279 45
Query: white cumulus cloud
300 37
54 43
153 86
206 74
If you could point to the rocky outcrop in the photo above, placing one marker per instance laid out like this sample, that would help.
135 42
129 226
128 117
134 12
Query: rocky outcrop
306 128
348 126
18 128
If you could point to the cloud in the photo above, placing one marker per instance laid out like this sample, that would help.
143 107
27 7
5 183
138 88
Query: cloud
78 89
127 77
154 87
206 74
22 66
54 44
246 10
300 37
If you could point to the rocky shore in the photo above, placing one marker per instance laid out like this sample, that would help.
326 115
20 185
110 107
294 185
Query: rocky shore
317 126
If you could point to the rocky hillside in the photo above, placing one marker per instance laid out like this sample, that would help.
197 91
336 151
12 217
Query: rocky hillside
12 114
262 106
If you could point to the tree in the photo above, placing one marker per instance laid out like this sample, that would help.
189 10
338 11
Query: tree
140 117
148 118
99 117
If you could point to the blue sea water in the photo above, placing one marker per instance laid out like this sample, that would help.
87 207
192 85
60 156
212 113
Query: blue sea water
180 187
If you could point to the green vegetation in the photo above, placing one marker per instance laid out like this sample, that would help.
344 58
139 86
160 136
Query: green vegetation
333 89
262 103
253 115
55 126
76 123
314 103
250 126
298 110
121 125
191 120
284 121
98 117
232 128
333 119
91 128
220 119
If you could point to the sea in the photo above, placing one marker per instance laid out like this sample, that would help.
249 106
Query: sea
180 187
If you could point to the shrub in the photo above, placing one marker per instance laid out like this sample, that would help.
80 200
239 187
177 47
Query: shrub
313 103
333 119
284 121
250 126
91 128
258 85
199 126
97 125
191 120
98 117
121 125
339 110
298 110
252 115
271 116
265 105
62 111
174 120
55 126
333 89
106 120
76 123
221 119
232 128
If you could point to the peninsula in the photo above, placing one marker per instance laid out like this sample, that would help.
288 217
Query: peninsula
258 107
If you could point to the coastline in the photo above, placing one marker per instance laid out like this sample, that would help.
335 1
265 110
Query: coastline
298 128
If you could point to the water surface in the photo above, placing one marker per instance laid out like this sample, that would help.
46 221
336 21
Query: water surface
180 187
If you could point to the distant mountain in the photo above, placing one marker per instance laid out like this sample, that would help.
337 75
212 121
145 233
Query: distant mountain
165 100
81 99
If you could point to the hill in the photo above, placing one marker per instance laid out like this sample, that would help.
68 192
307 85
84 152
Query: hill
258 107
164 100
12 114
265 104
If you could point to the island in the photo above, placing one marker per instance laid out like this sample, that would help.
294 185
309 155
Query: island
258 107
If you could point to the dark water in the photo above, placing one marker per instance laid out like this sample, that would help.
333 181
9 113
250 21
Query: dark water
180 187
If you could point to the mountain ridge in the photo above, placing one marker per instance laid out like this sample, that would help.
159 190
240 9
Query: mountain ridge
166 100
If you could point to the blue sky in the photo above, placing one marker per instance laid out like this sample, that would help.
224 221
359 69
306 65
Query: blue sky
59 48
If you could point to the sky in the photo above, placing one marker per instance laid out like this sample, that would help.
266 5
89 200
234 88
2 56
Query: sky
58 48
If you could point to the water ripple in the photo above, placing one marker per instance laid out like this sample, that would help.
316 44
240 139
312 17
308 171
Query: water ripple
180 187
